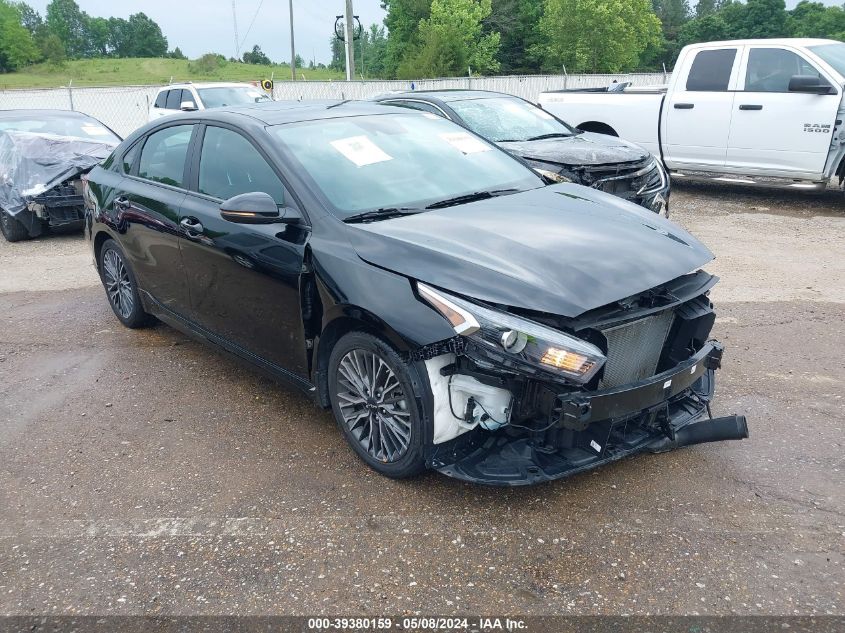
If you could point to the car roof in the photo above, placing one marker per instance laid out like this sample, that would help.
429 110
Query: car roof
210 84
42 113
445 96
281 112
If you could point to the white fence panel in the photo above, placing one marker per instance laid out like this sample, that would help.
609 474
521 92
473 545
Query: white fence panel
124 109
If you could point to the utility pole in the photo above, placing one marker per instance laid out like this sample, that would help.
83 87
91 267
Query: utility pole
349 27
235 24
292 47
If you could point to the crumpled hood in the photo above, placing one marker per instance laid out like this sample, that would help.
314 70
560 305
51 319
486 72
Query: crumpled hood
582 149
563 249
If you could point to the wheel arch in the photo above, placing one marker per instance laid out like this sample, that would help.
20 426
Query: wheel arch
598 127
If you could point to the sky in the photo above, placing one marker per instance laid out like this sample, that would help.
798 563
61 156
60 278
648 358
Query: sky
205 26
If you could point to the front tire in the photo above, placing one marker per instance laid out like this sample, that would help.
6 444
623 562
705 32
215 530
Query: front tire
12 229
375 404
121 286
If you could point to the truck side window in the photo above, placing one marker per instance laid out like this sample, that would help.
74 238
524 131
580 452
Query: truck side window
161 99
770 69
711 70
174 100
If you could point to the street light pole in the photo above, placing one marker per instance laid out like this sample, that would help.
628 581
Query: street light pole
292 47
349 27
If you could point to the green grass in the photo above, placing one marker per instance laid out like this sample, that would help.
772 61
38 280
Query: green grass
125 72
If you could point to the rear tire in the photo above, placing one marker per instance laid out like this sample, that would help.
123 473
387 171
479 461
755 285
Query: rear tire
375 405
121 286
12 229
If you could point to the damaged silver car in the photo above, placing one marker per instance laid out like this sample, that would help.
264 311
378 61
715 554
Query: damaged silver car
43 155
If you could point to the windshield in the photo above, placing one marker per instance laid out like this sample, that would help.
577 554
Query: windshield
231 96
503 119
833 54
398 160
76 127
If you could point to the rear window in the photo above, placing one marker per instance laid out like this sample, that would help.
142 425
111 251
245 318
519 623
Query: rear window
164 153
161 99
711 70
174 99
73 126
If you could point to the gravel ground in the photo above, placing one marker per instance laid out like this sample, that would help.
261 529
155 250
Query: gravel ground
141 472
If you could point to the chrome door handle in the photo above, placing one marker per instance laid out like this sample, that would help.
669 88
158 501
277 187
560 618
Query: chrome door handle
192 226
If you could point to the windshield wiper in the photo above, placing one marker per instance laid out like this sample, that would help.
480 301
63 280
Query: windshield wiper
471 197
545 136
381 214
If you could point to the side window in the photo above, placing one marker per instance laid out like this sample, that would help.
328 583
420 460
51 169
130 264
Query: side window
164 153
416 105
230 165
711 70
174 99
129 158
770 69
161 99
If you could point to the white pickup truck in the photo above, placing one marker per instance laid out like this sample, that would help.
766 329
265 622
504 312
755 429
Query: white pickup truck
753 111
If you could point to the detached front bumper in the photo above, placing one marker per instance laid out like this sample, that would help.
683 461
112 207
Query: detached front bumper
586 430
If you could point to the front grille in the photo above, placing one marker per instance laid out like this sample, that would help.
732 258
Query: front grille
630 181
634 349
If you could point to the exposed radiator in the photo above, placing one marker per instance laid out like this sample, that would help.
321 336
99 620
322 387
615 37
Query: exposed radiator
633 349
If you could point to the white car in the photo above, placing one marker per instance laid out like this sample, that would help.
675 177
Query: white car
751 111
190 96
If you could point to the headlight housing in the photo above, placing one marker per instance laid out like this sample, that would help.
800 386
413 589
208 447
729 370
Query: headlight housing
522 340
551 175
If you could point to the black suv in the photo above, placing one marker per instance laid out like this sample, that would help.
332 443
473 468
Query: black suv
453 311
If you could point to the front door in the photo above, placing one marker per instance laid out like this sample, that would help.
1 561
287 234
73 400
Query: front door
777 132
243 278
146 206
698 113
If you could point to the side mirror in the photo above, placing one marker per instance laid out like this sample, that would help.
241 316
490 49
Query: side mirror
188 106
809 84
256 207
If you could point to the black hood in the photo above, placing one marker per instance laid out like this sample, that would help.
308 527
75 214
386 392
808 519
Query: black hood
585 149
564 249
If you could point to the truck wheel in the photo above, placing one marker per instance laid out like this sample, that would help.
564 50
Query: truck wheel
374 403
12 230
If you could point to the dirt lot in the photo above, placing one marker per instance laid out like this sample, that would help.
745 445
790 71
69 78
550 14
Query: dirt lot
142 473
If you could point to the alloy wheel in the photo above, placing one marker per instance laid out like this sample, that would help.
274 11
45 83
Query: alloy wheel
117 282
373 405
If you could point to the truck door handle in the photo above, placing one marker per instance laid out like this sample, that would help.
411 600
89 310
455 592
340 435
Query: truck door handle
122 203
748 106
684 106
192 227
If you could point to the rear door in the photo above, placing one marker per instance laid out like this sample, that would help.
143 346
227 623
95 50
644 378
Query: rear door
698 111
774 131
147 204
244 278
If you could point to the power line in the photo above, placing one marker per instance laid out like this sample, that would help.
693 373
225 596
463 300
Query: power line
252 22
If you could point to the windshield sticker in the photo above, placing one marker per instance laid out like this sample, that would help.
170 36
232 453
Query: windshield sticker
95 130
465 143
361 150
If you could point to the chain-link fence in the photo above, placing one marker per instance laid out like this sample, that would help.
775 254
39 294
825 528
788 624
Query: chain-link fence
125 108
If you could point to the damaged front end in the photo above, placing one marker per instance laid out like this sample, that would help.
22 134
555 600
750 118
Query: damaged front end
522 397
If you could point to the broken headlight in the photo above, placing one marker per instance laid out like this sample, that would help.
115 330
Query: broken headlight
525 340
552 175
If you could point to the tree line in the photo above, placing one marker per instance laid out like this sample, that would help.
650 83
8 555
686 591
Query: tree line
442 38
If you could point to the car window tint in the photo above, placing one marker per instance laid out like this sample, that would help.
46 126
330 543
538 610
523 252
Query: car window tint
161 99
164 153
230 165
174 99
416 105
711 70
129 158
770 69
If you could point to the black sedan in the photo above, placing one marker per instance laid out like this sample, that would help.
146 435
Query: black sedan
559 152
43 154
451 310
